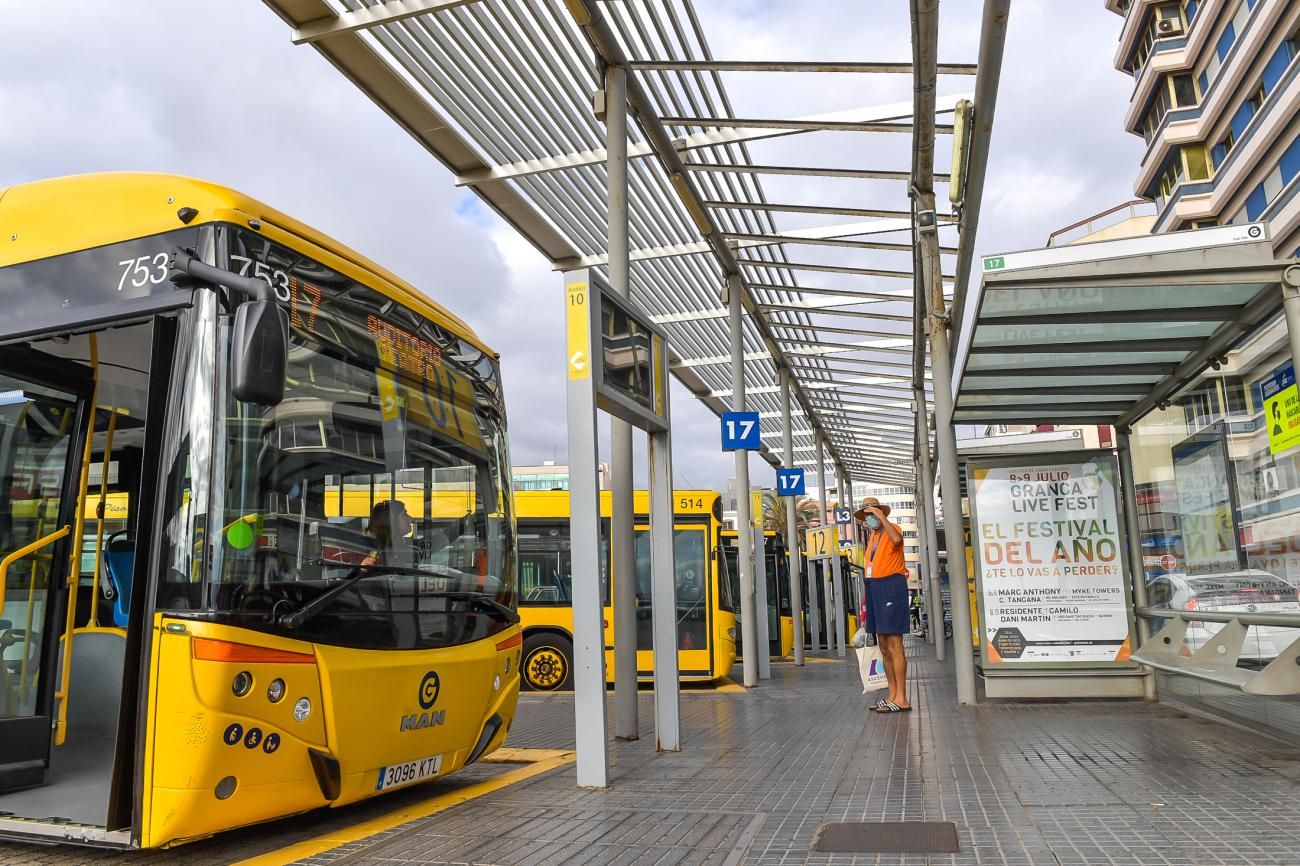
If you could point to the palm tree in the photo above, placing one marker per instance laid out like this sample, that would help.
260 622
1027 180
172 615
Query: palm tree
805 515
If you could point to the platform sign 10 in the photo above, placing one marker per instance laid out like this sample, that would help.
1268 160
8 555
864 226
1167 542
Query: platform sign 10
790 482
740 431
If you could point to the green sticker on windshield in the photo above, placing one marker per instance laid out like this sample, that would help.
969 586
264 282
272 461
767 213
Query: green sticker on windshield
239 535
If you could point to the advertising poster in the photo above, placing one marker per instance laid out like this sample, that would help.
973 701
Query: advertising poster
1207 514
1050 554
1281 410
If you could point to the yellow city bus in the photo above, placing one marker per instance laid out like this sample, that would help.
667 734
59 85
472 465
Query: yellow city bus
706 617
780 621
195 633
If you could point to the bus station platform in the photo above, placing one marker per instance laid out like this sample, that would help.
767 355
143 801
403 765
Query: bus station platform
761 773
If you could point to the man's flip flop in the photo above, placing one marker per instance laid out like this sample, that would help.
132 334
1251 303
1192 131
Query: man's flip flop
878 706
891 707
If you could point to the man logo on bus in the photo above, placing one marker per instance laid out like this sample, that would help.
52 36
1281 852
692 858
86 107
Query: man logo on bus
428 696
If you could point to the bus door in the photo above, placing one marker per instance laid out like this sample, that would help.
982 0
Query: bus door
43 411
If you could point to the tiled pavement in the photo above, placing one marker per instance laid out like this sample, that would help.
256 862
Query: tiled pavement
1059 784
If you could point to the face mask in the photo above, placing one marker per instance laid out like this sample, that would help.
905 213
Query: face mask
873 522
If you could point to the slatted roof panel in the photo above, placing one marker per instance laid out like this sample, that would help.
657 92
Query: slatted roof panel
501 91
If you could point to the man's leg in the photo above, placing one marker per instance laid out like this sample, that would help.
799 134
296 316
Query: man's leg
891 647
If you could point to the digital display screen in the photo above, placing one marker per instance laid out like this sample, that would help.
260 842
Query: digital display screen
87 278
625 348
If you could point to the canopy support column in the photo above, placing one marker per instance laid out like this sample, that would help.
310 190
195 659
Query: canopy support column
791 515
828 588
622 534
744 521
1136 570
927 516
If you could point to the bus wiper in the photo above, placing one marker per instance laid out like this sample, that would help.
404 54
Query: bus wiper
316 605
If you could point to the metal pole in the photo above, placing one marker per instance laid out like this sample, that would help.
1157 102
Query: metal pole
744 537
1137 570
941 366
828 597
925 494
923 545
762 636
584 531
841 619
663 594
622 533
791 515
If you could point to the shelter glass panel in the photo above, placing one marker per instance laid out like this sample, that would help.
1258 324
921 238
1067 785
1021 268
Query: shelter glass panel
1218 496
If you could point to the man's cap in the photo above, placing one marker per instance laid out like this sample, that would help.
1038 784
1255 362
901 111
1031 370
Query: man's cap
870 502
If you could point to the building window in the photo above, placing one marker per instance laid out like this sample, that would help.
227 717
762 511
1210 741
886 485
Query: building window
1184 91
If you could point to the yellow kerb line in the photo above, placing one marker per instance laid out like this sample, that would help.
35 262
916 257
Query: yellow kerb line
422 809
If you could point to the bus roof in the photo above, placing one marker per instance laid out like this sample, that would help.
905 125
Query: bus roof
66 214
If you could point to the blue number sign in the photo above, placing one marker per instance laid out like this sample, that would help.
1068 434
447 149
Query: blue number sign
790 482
740 431
843 516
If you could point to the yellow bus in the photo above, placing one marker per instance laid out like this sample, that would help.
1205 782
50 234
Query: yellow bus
780 620
706 610
215 607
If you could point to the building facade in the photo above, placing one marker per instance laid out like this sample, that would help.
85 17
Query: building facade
1216 97
551 476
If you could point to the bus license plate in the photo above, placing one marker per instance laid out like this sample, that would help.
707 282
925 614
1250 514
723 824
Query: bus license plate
406 774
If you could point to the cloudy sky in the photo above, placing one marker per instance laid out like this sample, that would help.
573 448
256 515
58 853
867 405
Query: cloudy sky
216 90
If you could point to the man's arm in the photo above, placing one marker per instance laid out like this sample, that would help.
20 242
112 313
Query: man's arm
894 533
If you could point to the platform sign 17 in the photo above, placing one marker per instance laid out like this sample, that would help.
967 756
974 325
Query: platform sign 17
740 431
790 482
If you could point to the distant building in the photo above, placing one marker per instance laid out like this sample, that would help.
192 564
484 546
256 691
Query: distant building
1216 97
550 476
902 511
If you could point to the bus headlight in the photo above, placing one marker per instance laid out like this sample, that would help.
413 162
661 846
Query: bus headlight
275 691
301 710
243 682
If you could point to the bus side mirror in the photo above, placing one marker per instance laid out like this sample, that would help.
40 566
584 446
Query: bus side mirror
259 354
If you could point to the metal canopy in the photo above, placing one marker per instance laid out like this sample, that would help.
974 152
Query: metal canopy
1101 333
501 91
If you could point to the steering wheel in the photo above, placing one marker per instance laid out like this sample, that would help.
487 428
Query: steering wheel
254 599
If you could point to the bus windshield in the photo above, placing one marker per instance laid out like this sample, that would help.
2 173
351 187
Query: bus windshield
385 466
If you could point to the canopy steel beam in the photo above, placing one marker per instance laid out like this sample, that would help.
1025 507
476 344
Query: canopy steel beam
793 66
808 171
902 295
902 218
831 269
371 16
794 123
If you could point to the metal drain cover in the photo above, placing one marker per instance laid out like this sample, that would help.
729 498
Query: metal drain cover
897 837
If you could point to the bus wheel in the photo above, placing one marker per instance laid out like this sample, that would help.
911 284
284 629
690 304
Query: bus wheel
547 662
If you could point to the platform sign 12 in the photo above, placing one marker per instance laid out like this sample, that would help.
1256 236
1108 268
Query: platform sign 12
790 482
740 431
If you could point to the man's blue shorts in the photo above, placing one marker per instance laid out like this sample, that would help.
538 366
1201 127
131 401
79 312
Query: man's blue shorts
887 605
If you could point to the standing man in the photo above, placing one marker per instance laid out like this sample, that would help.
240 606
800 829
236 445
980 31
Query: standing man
887 599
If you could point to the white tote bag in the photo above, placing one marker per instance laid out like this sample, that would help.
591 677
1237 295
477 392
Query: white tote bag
871 664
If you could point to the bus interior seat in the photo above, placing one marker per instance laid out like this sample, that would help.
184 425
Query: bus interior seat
119 563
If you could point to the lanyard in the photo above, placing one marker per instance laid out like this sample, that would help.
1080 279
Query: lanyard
875 542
